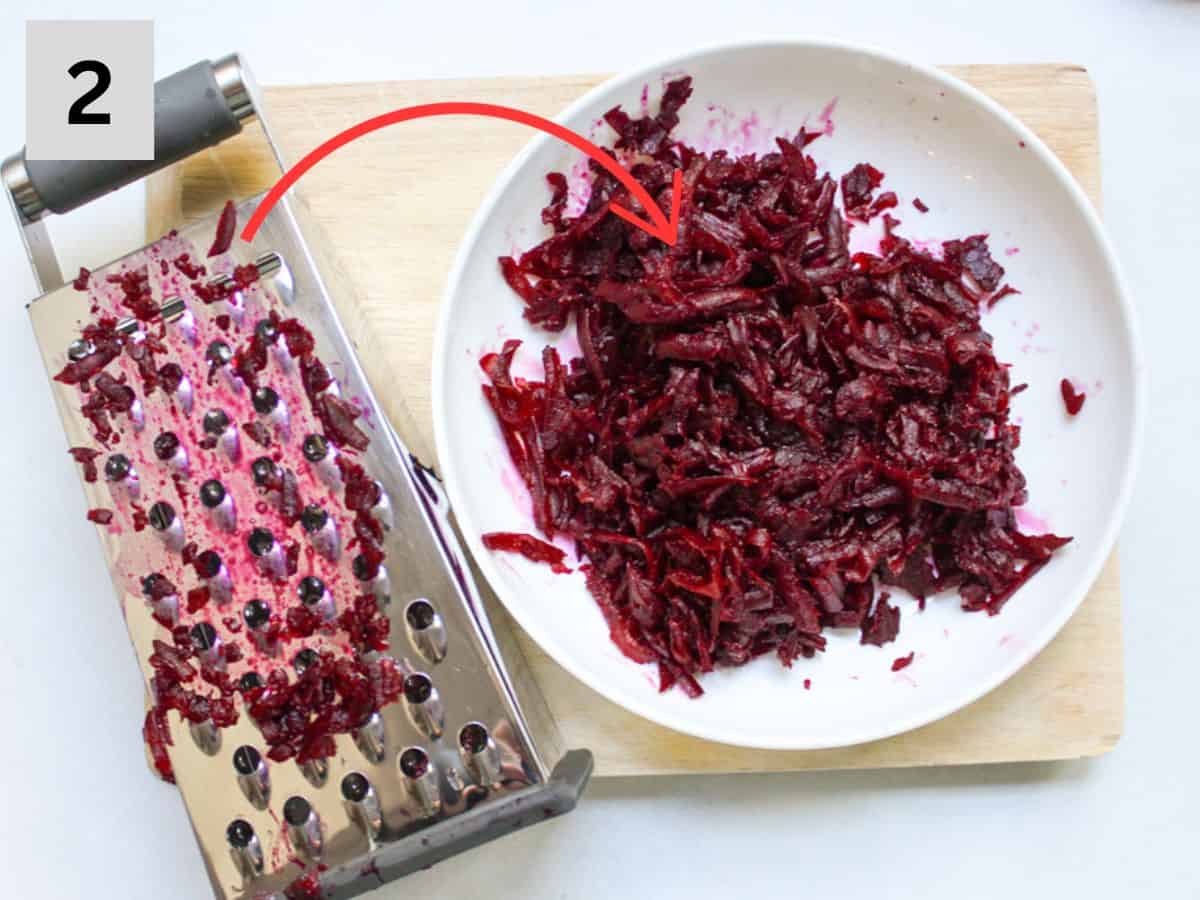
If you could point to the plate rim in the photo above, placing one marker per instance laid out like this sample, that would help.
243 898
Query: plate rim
1103 549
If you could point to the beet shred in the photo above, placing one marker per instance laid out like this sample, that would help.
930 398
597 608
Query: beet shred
761 428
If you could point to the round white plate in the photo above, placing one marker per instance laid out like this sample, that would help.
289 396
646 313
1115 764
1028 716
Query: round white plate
979 170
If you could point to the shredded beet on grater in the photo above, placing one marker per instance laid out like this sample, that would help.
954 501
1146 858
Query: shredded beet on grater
325 685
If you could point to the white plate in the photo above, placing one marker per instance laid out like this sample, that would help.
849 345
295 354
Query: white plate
979 170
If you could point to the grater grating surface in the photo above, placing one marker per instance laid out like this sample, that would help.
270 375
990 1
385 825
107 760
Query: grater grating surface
441 757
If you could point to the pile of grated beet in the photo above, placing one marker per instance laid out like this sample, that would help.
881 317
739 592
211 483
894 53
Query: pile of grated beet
761 427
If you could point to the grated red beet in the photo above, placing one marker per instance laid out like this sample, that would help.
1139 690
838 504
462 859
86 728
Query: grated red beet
197 599
528 546
100 516
902 662
298 718
919 205
337 417
86 457
1072 399
226 228
157 736
183 262
107 343
882 624
760 429
258 432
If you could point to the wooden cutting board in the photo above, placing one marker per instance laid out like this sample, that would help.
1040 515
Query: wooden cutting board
394 207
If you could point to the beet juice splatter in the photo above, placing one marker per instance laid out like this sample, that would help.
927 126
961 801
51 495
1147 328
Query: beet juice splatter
761 428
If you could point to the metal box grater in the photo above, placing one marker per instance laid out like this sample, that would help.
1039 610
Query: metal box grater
447 765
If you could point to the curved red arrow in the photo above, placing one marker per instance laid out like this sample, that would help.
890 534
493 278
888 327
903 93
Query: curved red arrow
665 228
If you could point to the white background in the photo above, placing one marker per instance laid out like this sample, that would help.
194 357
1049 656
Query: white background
80 815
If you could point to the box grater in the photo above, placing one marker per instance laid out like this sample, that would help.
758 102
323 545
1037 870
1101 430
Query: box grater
267 531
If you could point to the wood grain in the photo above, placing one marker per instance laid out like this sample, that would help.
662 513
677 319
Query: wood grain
394 206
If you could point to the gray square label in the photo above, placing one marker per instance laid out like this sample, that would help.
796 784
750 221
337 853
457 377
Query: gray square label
89 90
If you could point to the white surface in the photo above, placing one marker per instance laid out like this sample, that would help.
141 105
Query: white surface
979 170
82 818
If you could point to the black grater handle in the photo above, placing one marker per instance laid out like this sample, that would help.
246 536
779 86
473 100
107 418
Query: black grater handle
195 108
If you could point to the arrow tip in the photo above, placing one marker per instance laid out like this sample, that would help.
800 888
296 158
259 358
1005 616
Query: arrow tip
664 228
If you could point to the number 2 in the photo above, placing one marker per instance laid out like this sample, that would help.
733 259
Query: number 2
76 114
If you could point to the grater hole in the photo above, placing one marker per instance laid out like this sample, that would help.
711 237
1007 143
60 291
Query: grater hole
311 590
251 681
261 542
246 760
297 811
420 614
215 422
204 636
315 448
417 687
166 445
264 399
117 467
208 564
267 331
212 493
355 787
473 737
219 353
256 614
264 472
414 762
304 659
80 349
364 569
239 834
161 515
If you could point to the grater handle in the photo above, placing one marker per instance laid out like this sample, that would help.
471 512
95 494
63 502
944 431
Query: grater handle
195 108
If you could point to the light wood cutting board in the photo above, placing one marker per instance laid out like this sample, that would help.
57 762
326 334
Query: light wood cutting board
394 207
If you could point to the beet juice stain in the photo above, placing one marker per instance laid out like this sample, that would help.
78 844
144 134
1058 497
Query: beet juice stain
178 399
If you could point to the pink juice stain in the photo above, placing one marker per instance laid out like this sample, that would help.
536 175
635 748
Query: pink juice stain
568 345
1029 522
141 553
826 117
514 486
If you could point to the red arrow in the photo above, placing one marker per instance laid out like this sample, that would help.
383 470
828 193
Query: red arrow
664 228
